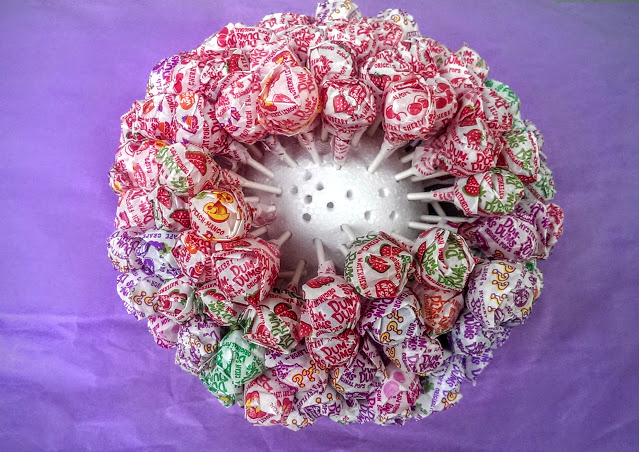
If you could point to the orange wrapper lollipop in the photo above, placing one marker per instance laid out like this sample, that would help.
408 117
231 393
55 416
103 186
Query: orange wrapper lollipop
348 109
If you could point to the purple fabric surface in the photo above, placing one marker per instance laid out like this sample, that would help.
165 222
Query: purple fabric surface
78 373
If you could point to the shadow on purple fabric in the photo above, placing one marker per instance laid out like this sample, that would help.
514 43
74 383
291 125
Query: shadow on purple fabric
78 373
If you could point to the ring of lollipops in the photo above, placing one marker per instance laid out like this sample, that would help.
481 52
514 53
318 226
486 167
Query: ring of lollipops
397 333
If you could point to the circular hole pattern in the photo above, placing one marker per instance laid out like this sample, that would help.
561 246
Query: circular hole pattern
294 190
383 192
319 186
393 215
308 199
306 217
349 194
330 206
308 175
367 215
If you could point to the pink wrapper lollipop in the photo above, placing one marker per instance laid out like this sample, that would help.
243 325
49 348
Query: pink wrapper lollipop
134 211
393 401
135 165
348 109
330 61
494 192
528 232
409 113
267 401
277 316
176 299
501 293
377 265
443 259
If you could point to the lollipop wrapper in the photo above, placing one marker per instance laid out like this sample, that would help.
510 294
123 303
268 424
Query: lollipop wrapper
459 74
215 305
236 108
528 232
276 321
318 401
441 388
419 355
362 376
267 401
333 351
409 111
164 331
121 249
443 259
497 111
469 337
377 266
176 74
235 36
296 369
356 36
220 214
520 156
393 400
221 386
279 23
501 293
332 11
176 299
170 210
440 307
155 253
543 188
330 61
198 339
138 291
390 321
332 304
401 19
505 93
240 360
134 211
289 100
136 165
194 255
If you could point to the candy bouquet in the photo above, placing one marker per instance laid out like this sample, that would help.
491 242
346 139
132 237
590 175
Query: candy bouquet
394 335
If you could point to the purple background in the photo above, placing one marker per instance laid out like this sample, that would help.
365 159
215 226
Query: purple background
78 373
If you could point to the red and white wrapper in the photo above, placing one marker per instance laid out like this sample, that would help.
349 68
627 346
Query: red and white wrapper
528 232
330 61
134 211
418 354
501 293
401 18
332 11
266 400
302 38
198 339
215 305
358 37
122 246
333 350
176 299
163 330
440 307
170 210
279 23
235 36
276 321
462 77
377 266
332 304
135 165
390 321
348 109
138 290
288 102
187 170
220 214
386 34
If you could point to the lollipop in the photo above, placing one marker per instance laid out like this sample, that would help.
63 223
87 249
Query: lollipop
266 400
135 165
501 293
494 192
440 307
164 331
330 61
331 11
409 113
441 388
348 109
280 23
134 211
138 291
121 246
377 266
176 299
198 340
276 321
528 232
154 251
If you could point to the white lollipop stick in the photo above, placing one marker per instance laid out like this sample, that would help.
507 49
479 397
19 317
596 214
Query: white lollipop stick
438 209
385 152
272 208
373 127
406 174
434 175
257 186
420 226
259 231
343 250
408 157
437 219
255 151
319 249
349 232
295 280
421 196
308 143
282 238
324 134
289 160
252 199
259 167
357 137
